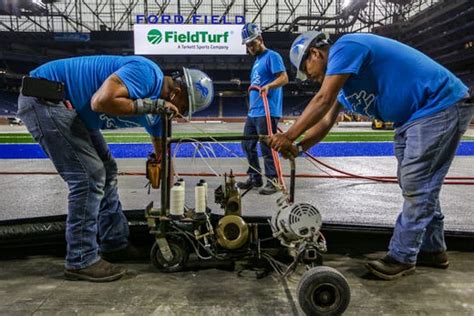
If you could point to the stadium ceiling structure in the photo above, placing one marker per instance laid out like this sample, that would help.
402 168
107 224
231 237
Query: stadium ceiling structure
332 16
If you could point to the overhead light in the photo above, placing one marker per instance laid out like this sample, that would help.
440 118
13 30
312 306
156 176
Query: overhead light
353 6
346 3
39 3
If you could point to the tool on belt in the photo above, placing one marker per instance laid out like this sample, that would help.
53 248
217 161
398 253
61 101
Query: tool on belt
40 88
153 171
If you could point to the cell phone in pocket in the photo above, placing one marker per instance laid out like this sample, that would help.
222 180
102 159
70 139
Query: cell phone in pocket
42 88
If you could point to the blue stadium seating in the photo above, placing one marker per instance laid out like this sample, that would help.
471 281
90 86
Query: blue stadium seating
8 103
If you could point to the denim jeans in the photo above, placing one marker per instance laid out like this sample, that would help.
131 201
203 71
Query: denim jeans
84 161
258 126
425 150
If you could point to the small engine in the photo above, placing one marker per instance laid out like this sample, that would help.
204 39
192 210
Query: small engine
232 231
229 196
293 223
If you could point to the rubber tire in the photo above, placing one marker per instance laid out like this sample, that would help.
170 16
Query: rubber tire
178 249
330 278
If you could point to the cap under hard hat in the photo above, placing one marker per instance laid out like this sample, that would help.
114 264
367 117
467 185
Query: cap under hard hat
300 47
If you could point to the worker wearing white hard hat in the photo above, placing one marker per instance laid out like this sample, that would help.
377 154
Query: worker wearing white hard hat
431 108
65 104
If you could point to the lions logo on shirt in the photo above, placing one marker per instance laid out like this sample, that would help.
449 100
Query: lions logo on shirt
116 122
362 102
256 79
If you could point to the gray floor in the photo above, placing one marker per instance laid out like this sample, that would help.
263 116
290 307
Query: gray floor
36 287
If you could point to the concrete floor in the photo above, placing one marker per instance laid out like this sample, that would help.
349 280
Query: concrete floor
36 287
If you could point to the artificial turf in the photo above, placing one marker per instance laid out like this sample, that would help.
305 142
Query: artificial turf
134 137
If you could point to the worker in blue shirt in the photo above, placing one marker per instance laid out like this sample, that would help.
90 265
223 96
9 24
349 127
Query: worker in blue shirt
431 108
269 74
105 92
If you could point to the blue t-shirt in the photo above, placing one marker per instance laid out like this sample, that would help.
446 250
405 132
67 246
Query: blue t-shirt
83 76
265 69
391 81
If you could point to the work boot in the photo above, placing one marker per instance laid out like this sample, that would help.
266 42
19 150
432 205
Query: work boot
250 183
433 259
268 189
129 253
388 268
101 271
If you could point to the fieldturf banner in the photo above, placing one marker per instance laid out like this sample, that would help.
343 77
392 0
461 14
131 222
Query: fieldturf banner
173 39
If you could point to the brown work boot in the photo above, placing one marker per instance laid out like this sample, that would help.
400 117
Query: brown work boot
388 268
101 271
129 253
433 259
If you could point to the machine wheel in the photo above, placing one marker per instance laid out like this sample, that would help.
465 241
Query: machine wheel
180 255
323 291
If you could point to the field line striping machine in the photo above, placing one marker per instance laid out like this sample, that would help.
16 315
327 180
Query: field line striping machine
288 239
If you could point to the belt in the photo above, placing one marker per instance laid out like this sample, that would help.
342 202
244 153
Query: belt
469 98
66 103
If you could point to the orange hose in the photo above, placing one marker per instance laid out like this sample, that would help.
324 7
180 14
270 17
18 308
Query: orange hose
276 157
384 179
299 175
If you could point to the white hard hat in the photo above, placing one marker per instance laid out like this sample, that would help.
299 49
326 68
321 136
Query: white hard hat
200 89
250 31
300 47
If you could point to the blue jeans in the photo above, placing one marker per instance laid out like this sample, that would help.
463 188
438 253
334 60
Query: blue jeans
425 150
258 126
84 161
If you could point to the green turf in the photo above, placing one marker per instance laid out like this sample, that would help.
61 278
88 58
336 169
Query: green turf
375 136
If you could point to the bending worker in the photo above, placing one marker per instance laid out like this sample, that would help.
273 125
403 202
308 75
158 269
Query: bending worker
387 80
268 73
106 92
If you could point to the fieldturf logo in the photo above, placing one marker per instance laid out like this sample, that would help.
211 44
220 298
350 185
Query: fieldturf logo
154 36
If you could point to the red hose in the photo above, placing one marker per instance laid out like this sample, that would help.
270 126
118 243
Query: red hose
298 175
346 175
276 157
349 174
383 179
